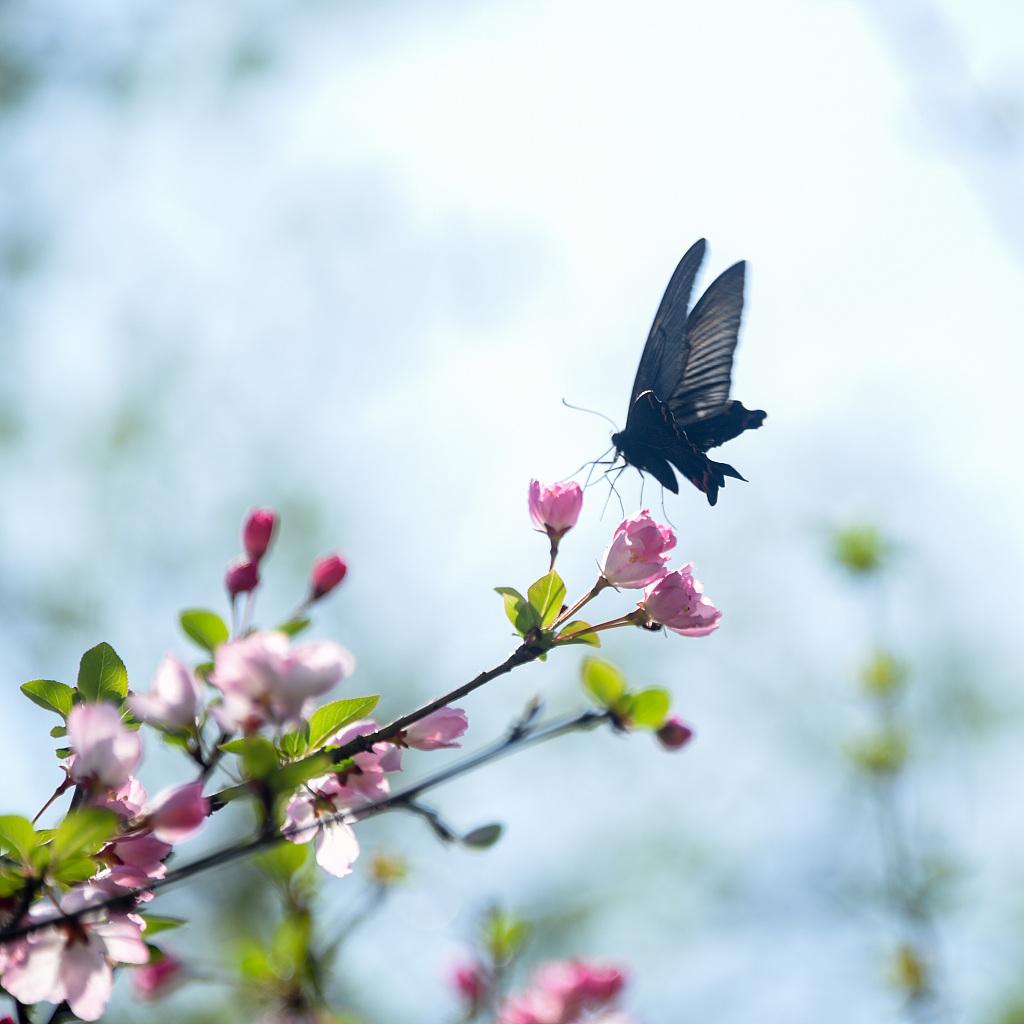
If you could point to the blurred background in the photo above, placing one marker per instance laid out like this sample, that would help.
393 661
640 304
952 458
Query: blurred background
345 259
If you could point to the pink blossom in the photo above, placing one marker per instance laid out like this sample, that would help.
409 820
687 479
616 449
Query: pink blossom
674 734
242 577
328 572
258 532
73 961
437 730
638 552
178 813
471 982
158 977
105 752
127 800
144 852
555 509
567 992
264 679
316 818
677 601
173 699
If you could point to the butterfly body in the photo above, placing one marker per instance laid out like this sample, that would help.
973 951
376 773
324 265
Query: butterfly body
679 405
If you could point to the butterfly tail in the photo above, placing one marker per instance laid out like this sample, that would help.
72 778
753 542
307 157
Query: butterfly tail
708 476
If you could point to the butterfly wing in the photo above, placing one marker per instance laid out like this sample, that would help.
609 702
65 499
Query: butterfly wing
664 353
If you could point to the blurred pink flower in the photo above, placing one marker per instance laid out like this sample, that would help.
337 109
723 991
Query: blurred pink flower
555 508
144 853
471 982
677 601
264 679
105 752
437 730
567 992
336 845
72 962
328 572
638 552
674 734
126 800
241 577
173 699
177 813
258 532
158 977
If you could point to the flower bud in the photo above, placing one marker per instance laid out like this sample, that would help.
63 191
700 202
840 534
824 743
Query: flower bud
470 982
555 509
438 730
241 578
258 532
327 573
158 977
674 734
638 552
677 601
177 813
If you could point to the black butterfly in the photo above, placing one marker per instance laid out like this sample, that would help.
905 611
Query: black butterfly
680 406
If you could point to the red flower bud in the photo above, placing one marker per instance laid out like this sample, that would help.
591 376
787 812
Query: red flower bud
327 573
674 734
241 578
258 532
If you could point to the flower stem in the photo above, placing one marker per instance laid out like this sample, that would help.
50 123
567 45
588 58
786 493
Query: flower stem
622 620
596 589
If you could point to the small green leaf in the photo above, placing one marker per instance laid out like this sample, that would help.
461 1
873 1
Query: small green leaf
203 627
11 882
483 837
83 832
258 754
18 836
62 752
326 721
155 924
50 695
294 626
649 708
291 776
603 681
504 935
520 612
203 670
283 860
102 675
59 730
295 744
591 639
74 870
546 597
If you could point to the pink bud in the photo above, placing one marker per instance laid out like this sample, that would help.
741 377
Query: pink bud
470 982
327 573
158 977
674 734
555 508
241 578
258 532
638 552
176 813
438 730
677 601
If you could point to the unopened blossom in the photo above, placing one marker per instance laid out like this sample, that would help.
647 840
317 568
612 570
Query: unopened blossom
173 699
105 752
177 813
638 552
242 577
555 508
263 678
327 573
157 978
677 601
674 733
258 532
73 962
471 981
437 730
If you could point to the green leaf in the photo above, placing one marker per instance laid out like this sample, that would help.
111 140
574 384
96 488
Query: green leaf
603 681
483 837
591 639
62 752
83 832
205 628
11 882
102 675
504 935
295 744
155 924
294 626
291 776
203 670
258 754
326 721
520 612
283 860
546 597
74 870
59 730
50 695
18 836
649 708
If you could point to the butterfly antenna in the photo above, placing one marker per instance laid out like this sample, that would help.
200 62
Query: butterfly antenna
664 513
591 463
593 412
612 490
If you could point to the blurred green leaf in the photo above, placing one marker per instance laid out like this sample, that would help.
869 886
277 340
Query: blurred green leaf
291 776
259 756
102 675
294 626
326 721
649 708
591 639
859 548
295 744
603 681
483 837
204 627
546 597
291 943
504 935
156 924
58 731
18 836
520 612
883 676
50 695
283 860
883 753
83 832
74 870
